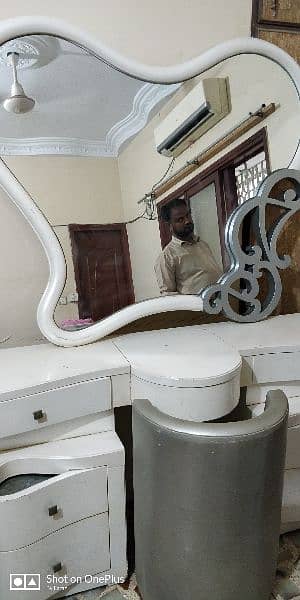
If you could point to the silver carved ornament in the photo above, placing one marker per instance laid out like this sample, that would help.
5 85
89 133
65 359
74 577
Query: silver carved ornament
236 292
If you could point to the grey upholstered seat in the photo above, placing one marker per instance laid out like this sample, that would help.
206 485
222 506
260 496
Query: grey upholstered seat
207 503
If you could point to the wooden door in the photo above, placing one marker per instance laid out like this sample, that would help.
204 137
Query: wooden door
102 269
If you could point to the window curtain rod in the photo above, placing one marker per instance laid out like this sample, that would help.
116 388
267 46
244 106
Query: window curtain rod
228 138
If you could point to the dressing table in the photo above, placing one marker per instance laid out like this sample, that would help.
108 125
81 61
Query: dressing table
56 409
65 430
62 463
182 372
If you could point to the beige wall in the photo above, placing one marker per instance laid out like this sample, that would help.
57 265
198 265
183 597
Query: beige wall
253 80
68 190
71 189
23 277
157 32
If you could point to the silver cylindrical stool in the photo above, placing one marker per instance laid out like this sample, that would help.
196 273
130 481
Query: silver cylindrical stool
208 503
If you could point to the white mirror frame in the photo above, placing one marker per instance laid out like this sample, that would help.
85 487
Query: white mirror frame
18 195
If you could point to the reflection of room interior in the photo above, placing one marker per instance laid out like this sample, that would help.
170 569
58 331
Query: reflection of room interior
219 189
93 201
152 458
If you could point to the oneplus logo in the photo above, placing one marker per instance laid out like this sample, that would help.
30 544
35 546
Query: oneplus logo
24 582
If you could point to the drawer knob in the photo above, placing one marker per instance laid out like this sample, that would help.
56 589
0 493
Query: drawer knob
53 510
56 568
38 415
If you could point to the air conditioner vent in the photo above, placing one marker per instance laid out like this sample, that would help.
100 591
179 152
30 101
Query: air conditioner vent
200 109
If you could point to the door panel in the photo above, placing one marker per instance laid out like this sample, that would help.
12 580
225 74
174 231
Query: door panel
205 216
102 270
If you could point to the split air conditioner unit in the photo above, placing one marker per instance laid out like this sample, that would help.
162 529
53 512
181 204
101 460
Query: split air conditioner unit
204 106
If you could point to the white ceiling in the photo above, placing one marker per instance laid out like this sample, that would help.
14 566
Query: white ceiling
83 106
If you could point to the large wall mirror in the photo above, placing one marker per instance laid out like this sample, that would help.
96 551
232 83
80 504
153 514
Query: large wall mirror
84 150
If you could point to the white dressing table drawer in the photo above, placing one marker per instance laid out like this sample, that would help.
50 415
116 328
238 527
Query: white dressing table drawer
37 411
37 511
282 366
81 549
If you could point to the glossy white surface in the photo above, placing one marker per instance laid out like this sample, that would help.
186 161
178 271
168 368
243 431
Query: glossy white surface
39 367
85 452
257 393
186 372
65 546
190 372
57 405
88 533
182 357
284 366
270 349
275 334
121 390
93 423
190 403
66 491
76 389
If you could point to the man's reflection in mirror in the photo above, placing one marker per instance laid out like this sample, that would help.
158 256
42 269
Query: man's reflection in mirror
186 264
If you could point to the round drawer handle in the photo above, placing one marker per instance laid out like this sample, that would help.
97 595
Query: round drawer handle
57 568
53 510
38 415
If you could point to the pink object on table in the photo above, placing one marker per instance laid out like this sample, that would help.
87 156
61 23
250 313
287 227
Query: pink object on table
75 322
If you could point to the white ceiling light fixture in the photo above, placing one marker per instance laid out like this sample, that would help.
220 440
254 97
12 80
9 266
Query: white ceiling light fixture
17 102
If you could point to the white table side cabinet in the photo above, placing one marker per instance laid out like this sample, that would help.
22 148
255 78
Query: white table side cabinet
69 529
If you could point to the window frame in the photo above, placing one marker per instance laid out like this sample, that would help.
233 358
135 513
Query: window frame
222 174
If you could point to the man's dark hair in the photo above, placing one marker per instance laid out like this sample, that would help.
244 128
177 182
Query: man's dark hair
165 212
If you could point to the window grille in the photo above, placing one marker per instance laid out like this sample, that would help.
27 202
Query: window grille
248 179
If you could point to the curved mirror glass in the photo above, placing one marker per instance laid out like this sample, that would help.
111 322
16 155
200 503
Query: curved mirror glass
86 149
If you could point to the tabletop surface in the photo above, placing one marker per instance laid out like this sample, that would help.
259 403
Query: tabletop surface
190 356
276 334
184 356
42 365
